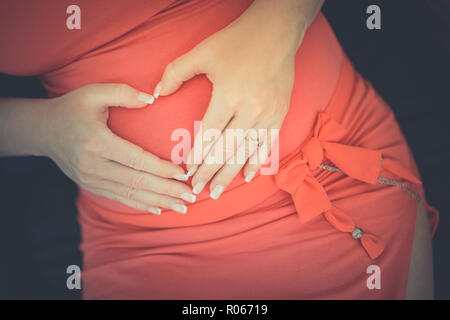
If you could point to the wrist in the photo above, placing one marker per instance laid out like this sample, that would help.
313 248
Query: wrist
22 123
41 134
281 22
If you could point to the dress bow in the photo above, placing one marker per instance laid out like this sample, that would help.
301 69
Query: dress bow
310 198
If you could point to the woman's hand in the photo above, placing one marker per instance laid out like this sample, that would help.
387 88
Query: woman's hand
251 66
79 141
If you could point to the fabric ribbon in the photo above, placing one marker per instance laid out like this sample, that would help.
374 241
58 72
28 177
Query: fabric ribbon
310 198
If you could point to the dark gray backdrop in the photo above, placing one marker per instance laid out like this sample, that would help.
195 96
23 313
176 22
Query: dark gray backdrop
407 61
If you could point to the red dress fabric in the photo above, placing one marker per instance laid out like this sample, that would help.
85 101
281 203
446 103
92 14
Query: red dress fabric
345 197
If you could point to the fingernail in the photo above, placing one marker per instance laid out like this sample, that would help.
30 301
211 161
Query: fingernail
189 197
198 187
157 90
145 97
216 191
181 177
179 208
191 171
250 176
155 210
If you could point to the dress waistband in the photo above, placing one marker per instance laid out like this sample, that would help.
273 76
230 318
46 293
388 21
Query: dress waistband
295 177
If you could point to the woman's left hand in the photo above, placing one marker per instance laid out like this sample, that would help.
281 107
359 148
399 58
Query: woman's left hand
251 66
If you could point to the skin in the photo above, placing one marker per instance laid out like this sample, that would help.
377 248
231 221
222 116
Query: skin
420 284
100 162
251 90
229 59
72 131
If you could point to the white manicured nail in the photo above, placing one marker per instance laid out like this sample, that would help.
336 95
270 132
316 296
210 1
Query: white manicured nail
145 97
189 197
181 177
216 191
198 187
191 171
250 176
157 90
155 210
179 208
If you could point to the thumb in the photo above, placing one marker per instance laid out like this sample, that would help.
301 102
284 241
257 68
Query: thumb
106 95
178 71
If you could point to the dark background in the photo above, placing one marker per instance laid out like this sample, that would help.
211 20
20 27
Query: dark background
408 63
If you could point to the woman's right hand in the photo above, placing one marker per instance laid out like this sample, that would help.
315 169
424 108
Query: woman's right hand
87 151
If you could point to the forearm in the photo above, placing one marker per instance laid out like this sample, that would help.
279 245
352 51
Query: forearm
287 18
22 126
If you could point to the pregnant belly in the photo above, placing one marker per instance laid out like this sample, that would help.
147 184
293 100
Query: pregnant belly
139 58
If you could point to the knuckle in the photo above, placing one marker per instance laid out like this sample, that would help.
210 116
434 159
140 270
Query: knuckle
120 92
273 111
137 161
120 191
230 102
164 202
130 193
223 178
165 188
170 71
229 151
201 177
83 164
168 203
163 169
176 189
161 202
84 179
138 182
258 110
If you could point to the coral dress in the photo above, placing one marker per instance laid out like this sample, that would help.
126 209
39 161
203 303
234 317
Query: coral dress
345 196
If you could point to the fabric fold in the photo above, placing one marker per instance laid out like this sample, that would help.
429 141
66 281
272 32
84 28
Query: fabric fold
310 198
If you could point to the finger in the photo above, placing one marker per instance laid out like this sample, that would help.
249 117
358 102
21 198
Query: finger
178 71
133 156
213 123
105 95
140 180
268 142
149 198
130 203
226 174
224 150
